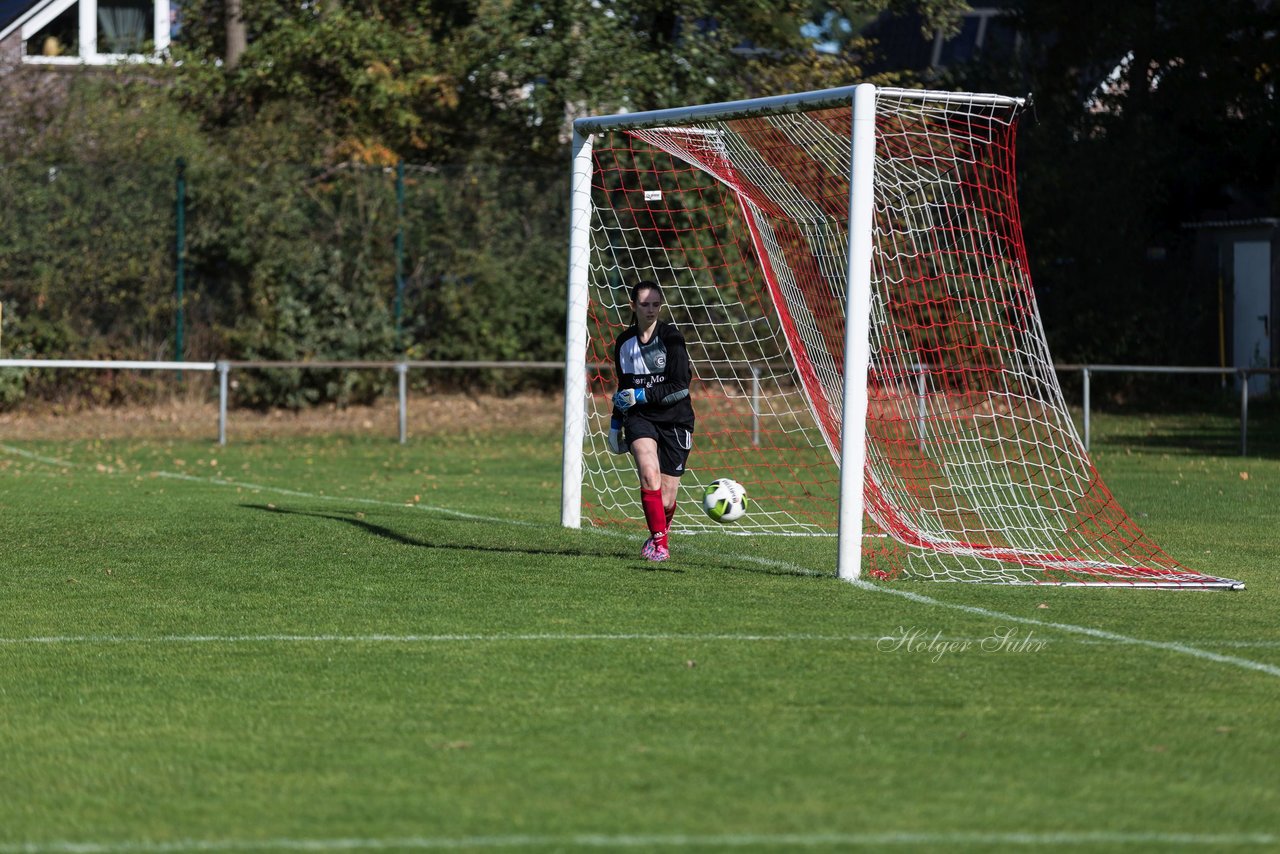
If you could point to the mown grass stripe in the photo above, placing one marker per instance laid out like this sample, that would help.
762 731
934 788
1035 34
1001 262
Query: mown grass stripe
1179 648
942 840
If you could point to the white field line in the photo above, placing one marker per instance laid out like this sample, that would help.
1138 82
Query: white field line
938 840
50 461
446 638
1227 644
1098 634
566 637
1067 628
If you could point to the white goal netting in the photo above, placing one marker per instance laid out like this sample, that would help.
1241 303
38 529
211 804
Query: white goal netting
974 469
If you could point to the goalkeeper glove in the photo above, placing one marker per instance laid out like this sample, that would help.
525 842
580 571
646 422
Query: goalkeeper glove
617 444
628 398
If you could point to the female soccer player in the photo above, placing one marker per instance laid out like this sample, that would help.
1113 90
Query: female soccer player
652 414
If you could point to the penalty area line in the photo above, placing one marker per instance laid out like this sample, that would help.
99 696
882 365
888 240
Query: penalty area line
49 461
54 640
535 637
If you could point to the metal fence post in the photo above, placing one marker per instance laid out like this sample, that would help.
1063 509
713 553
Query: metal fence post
1244 412
224 368
755 405
1085 373
180 259
399 251
922 389
402 376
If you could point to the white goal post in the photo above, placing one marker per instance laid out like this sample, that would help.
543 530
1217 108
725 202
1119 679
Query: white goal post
848 268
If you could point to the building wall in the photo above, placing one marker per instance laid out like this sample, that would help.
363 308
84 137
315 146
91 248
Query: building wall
11 50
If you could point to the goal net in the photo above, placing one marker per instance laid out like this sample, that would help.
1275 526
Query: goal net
971 466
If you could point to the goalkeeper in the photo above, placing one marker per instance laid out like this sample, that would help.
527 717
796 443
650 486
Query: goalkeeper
652 413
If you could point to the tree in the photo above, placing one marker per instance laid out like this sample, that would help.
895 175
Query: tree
426 80
1147 115
237 39
532 66
382 81
292 214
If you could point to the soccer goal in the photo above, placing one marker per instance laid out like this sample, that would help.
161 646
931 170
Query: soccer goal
848 269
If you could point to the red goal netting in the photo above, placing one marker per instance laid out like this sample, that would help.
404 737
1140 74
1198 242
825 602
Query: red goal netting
974 469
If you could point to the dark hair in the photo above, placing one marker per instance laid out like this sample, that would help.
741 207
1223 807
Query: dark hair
640 286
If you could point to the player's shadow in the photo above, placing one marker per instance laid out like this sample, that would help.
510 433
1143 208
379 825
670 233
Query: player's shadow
352 517
642 565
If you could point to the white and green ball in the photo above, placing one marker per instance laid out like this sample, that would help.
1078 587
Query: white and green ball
725 500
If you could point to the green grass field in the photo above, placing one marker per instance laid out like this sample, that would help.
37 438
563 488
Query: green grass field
346 644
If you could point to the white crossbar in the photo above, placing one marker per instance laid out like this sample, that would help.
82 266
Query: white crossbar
839 96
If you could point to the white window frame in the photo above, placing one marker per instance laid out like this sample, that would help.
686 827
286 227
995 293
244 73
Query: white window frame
984 14
88 23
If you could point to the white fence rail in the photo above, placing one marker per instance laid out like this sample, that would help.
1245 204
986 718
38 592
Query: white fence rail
224 368
108 364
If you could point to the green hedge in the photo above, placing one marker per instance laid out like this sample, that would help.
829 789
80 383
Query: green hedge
281 262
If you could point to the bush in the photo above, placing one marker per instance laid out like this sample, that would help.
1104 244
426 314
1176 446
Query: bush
283 261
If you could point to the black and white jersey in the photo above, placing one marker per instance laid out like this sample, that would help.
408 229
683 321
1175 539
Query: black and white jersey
661 367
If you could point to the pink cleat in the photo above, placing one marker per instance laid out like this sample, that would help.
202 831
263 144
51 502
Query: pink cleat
655 550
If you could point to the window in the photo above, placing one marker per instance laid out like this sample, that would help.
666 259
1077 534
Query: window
94 31
60 38
123 27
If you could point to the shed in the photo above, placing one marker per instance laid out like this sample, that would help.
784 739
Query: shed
1242 256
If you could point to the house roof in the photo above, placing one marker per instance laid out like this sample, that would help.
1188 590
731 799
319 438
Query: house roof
11 11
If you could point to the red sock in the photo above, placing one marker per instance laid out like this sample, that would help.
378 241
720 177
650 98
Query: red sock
654 514
671 514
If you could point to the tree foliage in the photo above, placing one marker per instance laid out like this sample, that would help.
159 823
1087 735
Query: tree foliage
434 81
1146 117
292 216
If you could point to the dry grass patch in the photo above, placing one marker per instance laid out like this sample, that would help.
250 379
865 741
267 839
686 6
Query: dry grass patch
185 419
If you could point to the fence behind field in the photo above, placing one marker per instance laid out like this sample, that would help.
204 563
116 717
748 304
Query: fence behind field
145 259
1242 375
224 368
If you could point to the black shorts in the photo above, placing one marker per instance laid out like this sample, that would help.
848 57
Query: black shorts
674 441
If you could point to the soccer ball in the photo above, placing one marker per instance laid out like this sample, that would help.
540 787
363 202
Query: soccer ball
725 500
